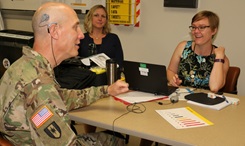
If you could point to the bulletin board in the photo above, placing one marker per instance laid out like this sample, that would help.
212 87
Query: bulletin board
79 5
121 12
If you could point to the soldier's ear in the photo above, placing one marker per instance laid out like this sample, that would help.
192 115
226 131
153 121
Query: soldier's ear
53 30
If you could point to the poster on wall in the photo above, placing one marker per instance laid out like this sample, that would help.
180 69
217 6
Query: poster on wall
82 5
20 4
125 12
1 21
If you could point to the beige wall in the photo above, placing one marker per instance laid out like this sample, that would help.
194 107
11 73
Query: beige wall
161 29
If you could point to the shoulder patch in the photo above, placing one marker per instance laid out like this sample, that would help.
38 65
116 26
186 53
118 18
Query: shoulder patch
41 116
53 130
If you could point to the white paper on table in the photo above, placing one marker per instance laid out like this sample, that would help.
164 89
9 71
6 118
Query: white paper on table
215 107
227 102
182 118
138 97
98 59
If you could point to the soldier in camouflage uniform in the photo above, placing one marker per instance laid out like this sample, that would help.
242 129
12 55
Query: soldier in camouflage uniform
34 109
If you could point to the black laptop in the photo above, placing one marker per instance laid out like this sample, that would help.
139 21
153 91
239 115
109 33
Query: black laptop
146 77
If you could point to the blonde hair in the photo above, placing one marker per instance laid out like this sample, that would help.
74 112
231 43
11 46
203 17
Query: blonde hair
88 20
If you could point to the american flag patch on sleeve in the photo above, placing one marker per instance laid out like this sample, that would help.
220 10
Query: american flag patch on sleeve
40 117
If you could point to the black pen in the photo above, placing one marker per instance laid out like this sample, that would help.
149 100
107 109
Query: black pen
225 98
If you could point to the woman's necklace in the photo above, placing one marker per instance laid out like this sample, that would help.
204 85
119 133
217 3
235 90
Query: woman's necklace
97 37
210 51
200 82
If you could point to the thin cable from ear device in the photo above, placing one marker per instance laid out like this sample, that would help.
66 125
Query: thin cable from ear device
49 25
133 109
53 51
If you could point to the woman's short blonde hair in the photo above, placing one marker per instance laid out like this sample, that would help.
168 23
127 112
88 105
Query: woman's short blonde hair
211 16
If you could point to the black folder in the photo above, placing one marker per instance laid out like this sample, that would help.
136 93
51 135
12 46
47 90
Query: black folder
204 99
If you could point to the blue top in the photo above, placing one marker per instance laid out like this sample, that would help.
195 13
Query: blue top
194 70
110 45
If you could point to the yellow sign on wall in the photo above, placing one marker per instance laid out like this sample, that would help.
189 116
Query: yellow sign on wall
122 11
119 1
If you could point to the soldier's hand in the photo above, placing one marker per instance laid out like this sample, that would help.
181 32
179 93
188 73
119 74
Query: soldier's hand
117 88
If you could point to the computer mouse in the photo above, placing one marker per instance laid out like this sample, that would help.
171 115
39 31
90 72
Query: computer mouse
174 99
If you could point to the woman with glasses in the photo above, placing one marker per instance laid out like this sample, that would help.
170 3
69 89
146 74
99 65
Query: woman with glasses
198 63
98 36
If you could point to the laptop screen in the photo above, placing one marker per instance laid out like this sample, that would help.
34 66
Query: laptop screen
146 77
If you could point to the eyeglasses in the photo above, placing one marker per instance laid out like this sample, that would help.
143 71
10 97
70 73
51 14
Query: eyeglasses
200 28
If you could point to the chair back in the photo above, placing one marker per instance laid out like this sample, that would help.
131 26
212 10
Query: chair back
5 142
231 80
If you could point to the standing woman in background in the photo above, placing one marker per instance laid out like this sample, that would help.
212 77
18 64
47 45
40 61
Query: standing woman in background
98 36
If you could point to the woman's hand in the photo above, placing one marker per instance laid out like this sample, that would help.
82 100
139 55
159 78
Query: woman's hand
176 81
219 52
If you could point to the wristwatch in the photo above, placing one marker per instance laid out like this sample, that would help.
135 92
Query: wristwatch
219 60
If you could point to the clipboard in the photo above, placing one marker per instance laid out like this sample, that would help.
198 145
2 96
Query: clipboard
202 99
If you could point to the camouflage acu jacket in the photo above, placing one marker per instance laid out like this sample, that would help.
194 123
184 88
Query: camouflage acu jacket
33 108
